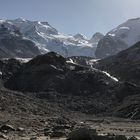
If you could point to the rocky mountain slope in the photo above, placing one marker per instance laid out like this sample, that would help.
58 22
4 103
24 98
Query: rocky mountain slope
12 43
54 78
125 65
52 94
54 72
120 38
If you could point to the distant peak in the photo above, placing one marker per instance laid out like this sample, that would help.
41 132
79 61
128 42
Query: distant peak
80 36
134 19
20 19
96 37
98 34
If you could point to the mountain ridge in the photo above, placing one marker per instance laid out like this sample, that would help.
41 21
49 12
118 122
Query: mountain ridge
49 39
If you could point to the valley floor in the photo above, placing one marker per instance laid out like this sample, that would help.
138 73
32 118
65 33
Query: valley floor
112 126
27 118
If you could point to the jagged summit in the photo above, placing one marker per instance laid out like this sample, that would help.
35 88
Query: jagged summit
80 36
21 19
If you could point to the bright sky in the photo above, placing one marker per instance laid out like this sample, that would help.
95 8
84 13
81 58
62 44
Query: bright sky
73 16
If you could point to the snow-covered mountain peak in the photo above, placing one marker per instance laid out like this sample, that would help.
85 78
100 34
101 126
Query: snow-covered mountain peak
80 36
20 19
26 26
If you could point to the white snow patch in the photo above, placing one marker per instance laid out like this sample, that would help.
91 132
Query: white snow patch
94 60
22 19
112 34
113 78
23 60
70 61
126 28
1 21
39 23
0 73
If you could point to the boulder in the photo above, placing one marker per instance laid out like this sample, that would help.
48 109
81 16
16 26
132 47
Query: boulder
82 134
7 128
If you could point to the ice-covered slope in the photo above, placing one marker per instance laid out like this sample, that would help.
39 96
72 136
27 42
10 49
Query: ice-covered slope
48 39
120 38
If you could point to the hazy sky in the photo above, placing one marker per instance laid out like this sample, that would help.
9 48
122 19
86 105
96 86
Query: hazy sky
73 16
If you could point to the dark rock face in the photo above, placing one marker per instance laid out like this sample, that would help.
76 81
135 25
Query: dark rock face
6 128
90 134
81 134
13 45
108 46
9 67
50 58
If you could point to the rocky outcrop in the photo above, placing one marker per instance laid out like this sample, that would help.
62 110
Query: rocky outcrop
82 134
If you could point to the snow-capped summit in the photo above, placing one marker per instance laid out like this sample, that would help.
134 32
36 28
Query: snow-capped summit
80 36
20 19
119 38
47 38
